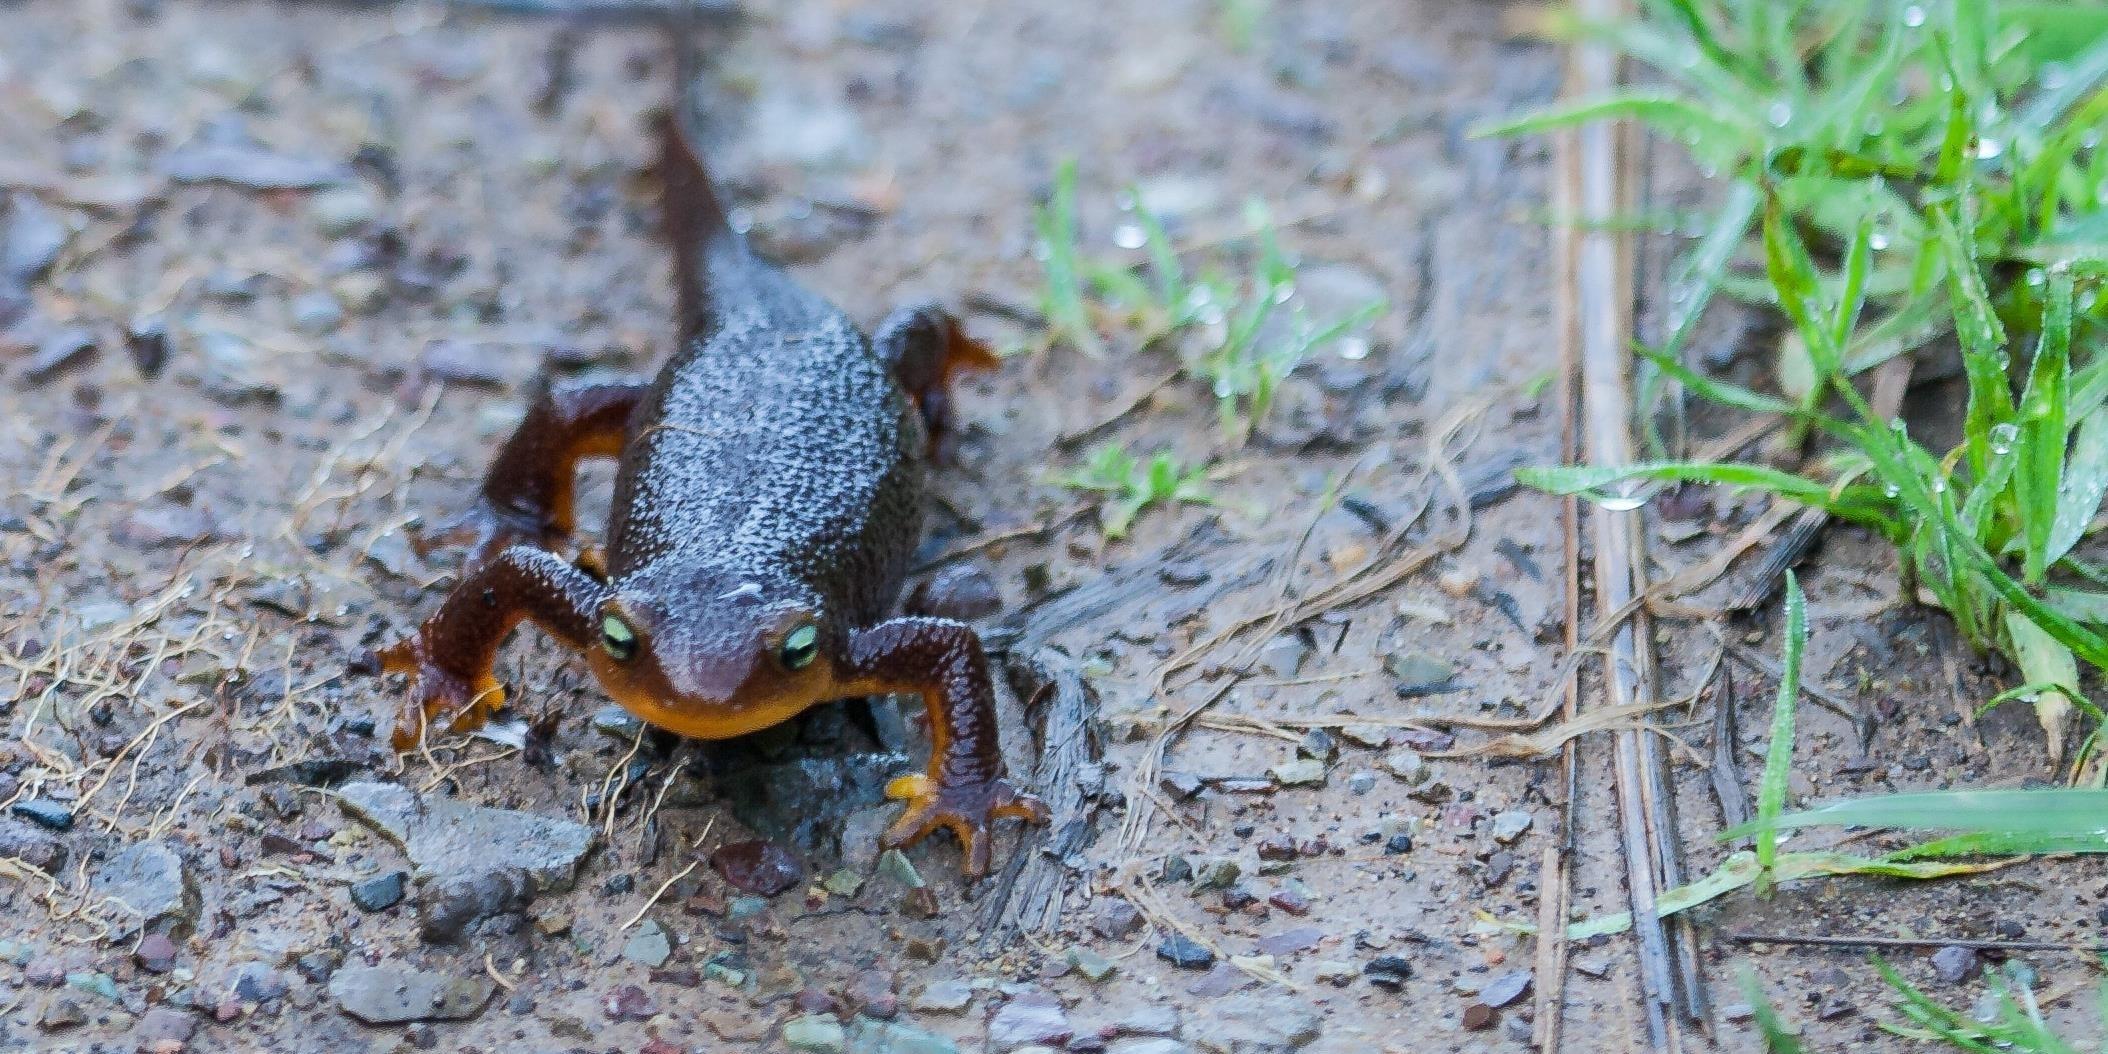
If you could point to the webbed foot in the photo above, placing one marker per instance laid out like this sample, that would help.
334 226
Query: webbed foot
436 692
967 809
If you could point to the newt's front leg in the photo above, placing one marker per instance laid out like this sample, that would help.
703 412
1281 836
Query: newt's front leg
449 658
965 789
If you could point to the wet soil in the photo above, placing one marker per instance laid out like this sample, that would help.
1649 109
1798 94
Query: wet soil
318 255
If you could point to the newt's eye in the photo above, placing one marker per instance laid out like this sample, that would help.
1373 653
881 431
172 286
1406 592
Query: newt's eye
617 638
800 648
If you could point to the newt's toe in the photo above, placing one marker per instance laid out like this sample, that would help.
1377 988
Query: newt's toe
436 692
966 810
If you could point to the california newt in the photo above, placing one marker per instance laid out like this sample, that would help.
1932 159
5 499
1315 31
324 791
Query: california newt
768 498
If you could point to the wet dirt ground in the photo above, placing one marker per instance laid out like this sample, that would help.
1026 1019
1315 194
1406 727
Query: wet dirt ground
300 267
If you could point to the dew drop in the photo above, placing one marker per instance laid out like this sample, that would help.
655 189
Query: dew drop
1913 16
1986 149
1891 489
1129 236
2002 438
1780 115
1354 349
1877 241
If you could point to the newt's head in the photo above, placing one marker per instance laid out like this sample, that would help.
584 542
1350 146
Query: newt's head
713 658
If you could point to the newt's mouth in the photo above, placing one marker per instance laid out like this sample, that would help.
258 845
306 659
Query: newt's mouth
723 721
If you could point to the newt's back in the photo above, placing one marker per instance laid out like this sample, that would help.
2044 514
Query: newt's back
775 444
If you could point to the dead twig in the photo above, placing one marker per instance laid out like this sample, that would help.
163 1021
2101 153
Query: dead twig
1863 941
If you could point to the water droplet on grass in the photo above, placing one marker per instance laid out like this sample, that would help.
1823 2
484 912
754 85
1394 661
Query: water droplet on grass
1129 236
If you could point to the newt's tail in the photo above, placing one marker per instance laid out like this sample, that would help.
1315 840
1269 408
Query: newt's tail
694 217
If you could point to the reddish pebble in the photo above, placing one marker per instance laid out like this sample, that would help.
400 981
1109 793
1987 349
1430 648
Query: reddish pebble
630 1003
1479 1017
1278 847
919 903
757 867
1290 901
156 953
813 1000
659 1046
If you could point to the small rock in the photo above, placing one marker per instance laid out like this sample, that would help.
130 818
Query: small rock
1288 942
59 351
843 883
1216 873
920 903
152 880
1302 772
361 292
1418 673
1115 919
342 210
446 909
814 1034
247 165
165 1028
1406 765
61 1015
1505 989
146 341
446 838
1185 953
1024 1021
1361 781
629 1003
1260 1024
38 849
1510 825
949 996
1955 964
45 813
155 954
257 982
896 868
871 993
1388 972
1374 737
759 867
389 995
1318 743
1291 901
1180 785
1094 967
477 364
868 1036
1478 1017
1333 972
316 313
1149 1045
649 946
379 893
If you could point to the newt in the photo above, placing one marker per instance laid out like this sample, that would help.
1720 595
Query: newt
768 497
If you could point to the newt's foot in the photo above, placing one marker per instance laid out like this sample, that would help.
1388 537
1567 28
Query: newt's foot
967 809
436 692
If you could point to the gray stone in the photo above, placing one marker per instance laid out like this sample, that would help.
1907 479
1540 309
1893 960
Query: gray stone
1094 967
447 839
1408 766
1024 1021
342 210
1153 1020
949 996
379 893
814 1034
1302 772
1149 1045
1506 988
812 133
1259 1025
38 849
649 946
247 165
1955 964
1418 673
151 880
316 312
871 1036
391 995
1510 825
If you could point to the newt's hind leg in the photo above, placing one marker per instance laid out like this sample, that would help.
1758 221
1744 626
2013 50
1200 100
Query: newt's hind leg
926 347
449 657
527 495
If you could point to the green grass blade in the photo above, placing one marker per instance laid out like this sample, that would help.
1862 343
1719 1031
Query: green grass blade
1709 134
1778 1039
1982 340
1063 296
2039 472
2046 812
1778 757
1698 274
